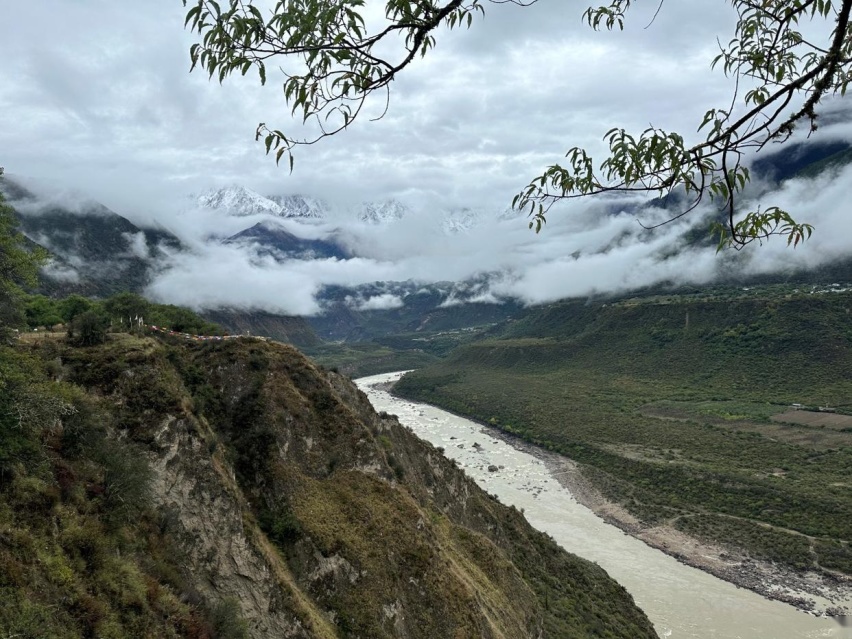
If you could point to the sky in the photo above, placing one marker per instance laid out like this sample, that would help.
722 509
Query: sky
97 96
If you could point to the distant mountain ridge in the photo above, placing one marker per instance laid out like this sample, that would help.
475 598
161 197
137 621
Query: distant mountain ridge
273 240
98 252
241 201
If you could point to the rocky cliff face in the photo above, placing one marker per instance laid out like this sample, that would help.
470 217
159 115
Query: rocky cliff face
280 489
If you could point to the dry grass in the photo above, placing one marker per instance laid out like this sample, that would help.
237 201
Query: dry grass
39 336
813 419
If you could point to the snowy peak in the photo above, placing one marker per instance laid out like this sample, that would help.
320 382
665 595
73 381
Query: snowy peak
241 201
300 206
461 220
238 200
382 212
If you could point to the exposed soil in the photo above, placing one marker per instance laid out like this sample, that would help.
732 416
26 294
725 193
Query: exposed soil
811 418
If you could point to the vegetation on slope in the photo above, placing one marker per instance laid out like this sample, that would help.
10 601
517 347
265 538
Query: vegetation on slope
667 405
82 550
110 454
361 359
447 553
118 312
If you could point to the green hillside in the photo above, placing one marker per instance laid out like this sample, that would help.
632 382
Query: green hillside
160 487
667 403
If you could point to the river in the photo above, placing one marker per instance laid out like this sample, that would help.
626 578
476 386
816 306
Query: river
682 602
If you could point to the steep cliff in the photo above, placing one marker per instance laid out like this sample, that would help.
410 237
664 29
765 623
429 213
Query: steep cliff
290 508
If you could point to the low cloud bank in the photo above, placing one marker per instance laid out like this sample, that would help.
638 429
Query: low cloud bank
585 249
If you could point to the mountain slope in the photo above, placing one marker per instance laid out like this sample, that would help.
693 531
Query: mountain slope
283 328
273 240
95 251
290 501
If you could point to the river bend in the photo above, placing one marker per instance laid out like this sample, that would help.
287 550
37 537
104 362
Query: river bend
681 601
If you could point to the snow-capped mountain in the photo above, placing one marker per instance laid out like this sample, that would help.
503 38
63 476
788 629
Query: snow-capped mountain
382 212
300 206
462 219
241 201
238 200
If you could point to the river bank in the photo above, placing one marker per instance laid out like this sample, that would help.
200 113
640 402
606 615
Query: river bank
809 591
812 592
682 601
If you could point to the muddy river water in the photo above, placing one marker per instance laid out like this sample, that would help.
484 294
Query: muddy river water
682 602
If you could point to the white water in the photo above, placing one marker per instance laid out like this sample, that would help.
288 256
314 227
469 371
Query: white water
682 602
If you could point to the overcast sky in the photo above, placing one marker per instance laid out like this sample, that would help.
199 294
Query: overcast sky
97 95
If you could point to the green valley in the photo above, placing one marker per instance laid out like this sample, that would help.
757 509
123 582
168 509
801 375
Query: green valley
679 409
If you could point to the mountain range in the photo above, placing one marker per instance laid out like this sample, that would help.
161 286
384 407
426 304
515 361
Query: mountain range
96 251
242 201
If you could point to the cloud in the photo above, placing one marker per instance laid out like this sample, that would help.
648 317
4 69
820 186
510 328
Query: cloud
385 301
42 197
60 272
101 101
138 245
587 248
224 277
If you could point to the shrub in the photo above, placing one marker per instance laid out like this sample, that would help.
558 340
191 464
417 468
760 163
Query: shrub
227 620
280 525
88 329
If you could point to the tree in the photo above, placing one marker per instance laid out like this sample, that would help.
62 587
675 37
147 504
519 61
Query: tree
88 329
42 311
124 309
18 267
334 64
74 305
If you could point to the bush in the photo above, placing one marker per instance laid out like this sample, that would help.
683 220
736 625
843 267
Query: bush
227 621
88 329
280 525
127 480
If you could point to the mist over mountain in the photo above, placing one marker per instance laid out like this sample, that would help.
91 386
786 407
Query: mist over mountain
268 238
233 248
93 250
240 201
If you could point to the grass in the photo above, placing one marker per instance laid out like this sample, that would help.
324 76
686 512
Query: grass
669 405
361 359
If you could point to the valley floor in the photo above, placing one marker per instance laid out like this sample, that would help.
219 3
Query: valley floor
809 591
816 593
